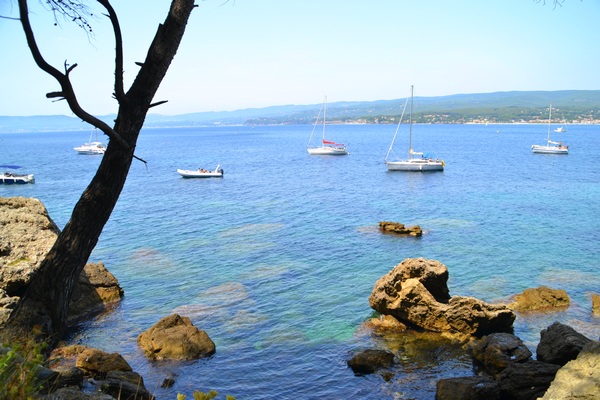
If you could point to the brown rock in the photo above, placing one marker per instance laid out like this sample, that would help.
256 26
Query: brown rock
579 379
416 292
175 337
369 361
96 361
467 388
539 299
400 229
595 304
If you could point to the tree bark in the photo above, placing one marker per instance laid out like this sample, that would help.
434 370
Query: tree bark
43 308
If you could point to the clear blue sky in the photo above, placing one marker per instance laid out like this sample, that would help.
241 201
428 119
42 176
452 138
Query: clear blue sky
257 53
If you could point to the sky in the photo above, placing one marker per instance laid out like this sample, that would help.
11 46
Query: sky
240 54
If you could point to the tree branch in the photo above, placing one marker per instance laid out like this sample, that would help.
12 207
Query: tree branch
112 15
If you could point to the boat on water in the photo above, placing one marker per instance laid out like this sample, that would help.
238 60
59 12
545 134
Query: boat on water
327 147
201 173
560 129
551 147
10 178
416 161
91 147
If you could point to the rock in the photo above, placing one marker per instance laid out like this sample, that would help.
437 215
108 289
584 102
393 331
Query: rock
27 233
68 376
526 381
75 393
384 324
175 337
560 344
369 361
579 379
467 388
416 292
595 304
125 385
98 362
497 351
399 229
96 291
540 299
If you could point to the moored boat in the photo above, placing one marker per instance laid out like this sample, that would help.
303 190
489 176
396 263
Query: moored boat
201 173
9 178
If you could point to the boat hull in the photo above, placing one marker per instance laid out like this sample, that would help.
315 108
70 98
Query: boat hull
415 165
549 149
327 151
91 148
16 179
187 173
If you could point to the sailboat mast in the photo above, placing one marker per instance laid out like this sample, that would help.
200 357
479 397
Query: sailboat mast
549 119
410 122
324 118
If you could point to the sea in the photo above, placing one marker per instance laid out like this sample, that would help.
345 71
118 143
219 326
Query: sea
277 259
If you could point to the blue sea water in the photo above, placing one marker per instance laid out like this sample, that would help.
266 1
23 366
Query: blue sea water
276 260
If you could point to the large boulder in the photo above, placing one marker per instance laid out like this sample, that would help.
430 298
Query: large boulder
416 292
542 298
97 362
175 337
495 352
579 379
560 344
27 233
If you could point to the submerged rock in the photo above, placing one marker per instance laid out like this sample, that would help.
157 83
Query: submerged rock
467 388
369 361
540 299
497 351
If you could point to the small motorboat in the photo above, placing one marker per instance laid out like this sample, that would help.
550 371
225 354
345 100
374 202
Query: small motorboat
201 173
9 178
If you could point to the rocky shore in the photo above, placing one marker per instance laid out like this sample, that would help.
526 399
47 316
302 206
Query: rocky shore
413 299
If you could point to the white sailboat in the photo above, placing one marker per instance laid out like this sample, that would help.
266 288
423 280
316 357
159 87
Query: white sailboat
416 161
327 147
550 147
91 147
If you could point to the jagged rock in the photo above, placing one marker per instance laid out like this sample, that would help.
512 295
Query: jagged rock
416 292
384 324
27 233
595 304
369 361
400 229
495 352
526 381
68 376
467 388
94 361
175 337
542 298
560 344
579 379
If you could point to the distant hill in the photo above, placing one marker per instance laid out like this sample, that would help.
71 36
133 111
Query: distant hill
500 107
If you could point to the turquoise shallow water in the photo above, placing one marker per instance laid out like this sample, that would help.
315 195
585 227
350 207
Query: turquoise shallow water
276 260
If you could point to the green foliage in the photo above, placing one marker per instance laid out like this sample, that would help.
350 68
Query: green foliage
17 371
204 396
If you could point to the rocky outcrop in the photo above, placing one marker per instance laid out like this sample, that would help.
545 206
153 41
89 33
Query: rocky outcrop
560 344
595 304
175 337
369 361
27 233
416 292
495 352
400 229
542 298
579 379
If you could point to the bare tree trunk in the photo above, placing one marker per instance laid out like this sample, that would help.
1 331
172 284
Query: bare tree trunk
43 308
